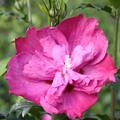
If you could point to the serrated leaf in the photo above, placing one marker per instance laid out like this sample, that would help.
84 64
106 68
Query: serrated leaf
103 117
115 3
105 8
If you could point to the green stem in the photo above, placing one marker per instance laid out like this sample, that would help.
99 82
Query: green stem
116 35
113 100
50 4
29 13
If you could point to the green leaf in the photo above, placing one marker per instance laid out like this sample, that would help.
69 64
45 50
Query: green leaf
91 119
25 111
105 8
3 66
115 3
22 107
118 72
36 111
43 9
103 117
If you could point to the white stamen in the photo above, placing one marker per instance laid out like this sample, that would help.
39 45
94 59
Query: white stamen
68 62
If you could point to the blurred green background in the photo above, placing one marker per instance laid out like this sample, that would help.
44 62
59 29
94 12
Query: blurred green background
14 25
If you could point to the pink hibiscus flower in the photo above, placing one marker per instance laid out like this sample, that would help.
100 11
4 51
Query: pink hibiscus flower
62 68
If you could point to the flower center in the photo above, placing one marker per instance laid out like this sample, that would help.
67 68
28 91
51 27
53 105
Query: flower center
67 62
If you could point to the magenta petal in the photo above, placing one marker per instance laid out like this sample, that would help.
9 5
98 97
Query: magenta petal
77 56
76 33
104 70
41 67
50 38
48 107
30 43
82 55
59 53
46 117
85 32
81 102
73 103
41 40
21 85
100 73
58 80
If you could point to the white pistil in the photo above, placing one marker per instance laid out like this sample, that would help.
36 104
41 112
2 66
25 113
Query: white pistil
67 64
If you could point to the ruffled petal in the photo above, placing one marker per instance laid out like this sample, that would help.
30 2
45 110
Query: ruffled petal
59 54
30 43
80 100
85 32
41 67
50 38
41 40
104 70
73 103
82 55
99 74
22 86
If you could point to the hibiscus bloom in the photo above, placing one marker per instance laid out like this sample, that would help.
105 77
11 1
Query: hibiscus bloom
62 68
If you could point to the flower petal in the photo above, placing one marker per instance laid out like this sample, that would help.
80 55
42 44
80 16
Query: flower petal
104 70
21 85
41 40
51 38
59 54
80 100
81 56
100 74
73 103
41 67
30 43
85 32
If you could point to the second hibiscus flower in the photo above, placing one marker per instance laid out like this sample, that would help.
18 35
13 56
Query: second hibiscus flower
62 68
